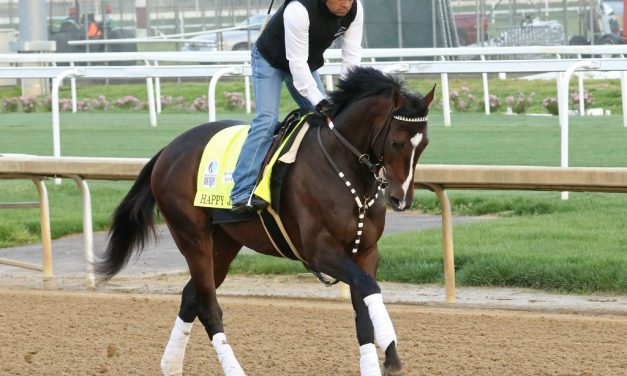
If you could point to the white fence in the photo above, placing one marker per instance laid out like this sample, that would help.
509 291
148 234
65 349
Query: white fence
240 65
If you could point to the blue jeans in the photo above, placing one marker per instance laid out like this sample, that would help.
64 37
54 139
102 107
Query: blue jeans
267 84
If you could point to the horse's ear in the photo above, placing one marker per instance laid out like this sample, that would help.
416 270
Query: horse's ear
397 97
429 97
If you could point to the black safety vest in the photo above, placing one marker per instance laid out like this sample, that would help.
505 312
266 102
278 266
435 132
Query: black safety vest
324 28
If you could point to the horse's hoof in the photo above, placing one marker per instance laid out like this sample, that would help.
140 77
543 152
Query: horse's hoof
387 372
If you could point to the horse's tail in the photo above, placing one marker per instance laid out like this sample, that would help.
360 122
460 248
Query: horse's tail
131 224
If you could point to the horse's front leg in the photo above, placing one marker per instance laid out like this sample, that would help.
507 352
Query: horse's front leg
372 320
368 260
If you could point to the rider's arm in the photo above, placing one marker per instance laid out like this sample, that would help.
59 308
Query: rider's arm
296 23
351 41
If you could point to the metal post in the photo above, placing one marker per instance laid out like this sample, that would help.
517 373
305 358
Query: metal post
46 241
447 240
211 92
486 91
582 109
446 102
88 230
56 84
33 26
73 91
33 36
157 90
562 98
151 99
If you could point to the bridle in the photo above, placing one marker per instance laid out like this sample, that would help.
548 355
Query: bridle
376 169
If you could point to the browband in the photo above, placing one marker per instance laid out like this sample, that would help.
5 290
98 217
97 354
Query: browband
411 120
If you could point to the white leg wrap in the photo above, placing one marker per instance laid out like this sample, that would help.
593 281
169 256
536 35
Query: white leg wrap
368 360
227 359
174 354
383 330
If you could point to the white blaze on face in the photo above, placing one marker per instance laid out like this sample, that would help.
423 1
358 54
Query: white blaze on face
415 141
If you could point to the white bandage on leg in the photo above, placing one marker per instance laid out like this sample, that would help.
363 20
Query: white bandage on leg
227 359
383 330
368 360
174 354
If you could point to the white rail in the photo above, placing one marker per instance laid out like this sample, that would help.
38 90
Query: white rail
566 66
331 54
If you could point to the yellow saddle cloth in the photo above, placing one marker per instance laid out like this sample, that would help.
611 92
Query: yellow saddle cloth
215 172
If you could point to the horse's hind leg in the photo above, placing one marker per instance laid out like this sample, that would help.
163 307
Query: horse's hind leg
174 354
208 255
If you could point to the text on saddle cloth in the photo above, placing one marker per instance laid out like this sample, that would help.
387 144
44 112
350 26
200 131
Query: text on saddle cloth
215 172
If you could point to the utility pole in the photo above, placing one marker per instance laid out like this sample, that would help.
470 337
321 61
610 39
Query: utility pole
34 38
33 26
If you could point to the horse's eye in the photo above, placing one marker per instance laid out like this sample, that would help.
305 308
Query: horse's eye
397 145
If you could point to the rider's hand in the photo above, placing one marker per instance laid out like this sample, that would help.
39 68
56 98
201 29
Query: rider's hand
324 107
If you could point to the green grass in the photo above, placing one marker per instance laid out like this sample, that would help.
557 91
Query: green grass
538 240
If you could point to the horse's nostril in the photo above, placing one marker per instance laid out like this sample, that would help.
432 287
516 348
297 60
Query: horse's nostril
395 203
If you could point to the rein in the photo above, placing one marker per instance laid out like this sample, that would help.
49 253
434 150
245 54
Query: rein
374 168
364 159
362 207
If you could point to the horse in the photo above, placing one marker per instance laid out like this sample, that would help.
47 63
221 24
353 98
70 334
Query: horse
352 161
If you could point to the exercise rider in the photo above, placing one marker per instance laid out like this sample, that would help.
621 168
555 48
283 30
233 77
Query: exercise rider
290 49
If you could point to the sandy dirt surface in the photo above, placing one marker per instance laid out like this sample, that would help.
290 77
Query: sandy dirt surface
108 333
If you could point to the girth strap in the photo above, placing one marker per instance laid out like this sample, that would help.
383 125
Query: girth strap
278 236
282 243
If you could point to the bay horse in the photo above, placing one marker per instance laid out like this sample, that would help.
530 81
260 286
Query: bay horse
330 206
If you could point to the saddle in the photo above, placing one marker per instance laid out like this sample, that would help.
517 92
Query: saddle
280 132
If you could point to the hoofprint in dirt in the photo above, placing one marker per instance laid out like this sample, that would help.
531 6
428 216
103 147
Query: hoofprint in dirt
79 333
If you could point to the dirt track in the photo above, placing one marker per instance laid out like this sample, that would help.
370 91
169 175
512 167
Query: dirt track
78 333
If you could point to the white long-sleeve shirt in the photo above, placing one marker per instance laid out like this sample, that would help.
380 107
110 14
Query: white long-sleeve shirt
296 24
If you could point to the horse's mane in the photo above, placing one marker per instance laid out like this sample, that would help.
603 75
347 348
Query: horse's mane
363 82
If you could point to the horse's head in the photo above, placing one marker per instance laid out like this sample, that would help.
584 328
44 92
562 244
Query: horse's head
387 122
403 143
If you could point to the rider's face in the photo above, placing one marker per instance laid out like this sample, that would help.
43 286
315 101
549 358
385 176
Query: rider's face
339 7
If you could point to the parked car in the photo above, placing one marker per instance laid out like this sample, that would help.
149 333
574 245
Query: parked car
229 40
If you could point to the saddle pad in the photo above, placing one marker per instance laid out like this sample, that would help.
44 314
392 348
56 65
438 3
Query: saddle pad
215 172
286 153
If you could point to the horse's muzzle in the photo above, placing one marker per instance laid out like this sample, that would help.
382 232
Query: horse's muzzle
397 204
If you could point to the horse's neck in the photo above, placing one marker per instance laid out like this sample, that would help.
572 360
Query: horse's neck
356 126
